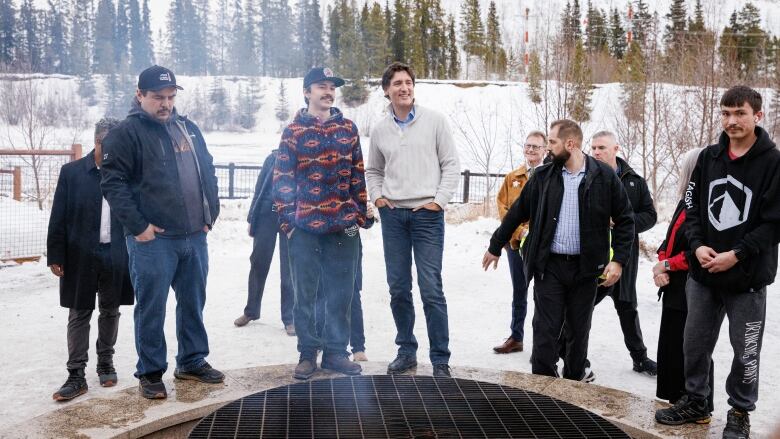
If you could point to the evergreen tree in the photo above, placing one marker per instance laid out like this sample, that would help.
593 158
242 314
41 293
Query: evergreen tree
534 78
220 38
743 42
252 36
122 37
390 33
418 47
147 51
495 55
580 83
642 22
199 26
140 42
400 31
633 83
7 32
105 25
697 24
219 110
247 105
596 30
55 57
81 46
617 35
351 62
243 60
87 88
177 36
29 44
334 30
376 41
674 35
282 105
574 24
453 54
313 47
472 29
437 51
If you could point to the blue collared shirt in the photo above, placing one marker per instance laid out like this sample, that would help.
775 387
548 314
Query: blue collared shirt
403 123
567 231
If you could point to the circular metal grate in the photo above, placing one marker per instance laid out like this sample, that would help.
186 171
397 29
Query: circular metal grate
401 406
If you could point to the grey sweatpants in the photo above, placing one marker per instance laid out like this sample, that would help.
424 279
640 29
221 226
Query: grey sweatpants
706 309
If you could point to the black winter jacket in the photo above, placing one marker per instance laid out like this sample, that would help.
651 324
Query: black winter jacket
74 232
735 205
601 197
263 200
141 179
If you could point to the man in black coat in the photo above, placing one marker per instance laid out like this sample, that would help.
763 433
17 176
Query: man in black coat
86 250
568 205
605 148
263 228
159 179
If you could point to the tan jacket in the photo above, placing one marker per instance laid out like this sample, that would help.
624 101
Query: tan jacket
514 182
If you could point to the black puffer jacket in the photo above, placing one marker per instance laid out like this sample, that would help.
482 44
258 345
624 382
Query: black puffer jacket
601 197
140 178
735 205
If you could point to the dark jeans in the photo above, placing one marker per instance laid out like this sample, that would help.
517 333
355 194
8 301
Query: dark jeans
706 309
330 259
357 336
263 246
629 321
108 319
519 293
155 267
562 296
421 233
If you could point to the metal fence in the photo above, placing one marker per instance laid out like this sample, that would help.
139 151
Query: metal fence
238 181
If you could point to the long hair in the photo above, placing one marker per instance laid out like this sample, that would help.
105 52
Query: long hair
689 160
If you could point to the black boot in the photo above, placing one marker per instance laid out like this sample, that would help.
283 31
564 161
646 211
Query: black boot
737 425
76 385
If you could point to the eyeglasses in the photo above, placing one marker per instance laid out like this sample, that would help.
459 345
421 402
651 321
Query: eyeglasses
533 147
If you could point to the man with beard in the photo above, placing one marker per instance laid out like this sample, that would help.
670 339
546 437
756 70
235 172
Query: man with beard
733 222
159 179
320 193
568 205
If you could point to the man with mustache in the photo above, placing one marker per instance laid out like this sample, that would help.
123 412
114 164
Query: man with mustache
732 208
413 171
159 180
320 193
568 204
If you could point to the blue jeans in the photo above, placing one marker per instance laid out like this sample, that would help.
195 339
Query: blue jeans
155 267
263 247
357 336
330 259
519 293
421 233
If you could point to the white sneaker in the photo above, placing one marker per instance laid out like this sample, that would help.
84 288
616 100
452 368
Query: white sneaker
589 376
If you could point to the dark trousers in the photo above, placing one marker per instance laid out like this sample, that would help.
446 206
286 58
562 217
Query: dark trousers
357 336
108 319
629 321
405 232
519 293
561 296
156 266
330 259
706 309
263 247
671 364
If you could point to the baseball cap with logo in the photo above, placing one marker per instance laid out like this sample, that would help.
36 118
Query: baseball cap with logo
157 78
319 74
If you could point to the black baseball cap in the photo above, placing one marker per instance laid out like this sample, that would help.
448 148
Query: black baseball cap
157 78
319 74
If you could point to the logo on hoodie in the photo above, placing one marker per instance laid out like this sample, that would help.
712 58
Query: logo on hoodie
728 203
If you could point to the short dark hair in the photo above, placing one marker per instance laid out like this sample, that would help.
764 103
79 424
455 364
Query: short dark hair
305 99
568 129
739 94
103 126
394 68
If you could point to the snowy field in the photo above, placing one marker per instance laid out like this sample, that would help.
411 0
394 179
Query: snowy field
33 344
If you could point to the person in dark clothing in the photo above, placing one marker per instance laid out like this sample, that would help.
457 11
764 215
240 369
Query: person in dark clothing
605 148
86 250
732 224
670 275
574 196
263 228
159 179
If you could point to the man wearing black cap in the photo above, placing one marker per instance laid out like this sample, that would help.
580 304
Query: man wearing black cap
320 194
159 180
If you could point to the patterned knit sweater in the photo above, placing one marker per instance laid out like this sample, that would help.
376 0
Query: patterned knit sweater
319 182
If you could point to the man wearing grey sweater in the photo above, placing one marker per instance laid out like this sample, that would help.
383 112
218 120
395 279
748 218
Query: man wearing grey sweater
412 173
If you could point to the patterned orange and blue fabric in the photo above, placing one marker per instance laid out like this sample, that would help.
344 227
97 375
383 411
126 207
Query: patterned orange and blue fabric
319 181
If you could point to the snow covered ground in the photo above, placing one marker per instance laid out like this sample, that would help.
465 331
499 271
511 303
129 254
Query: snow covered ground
33 345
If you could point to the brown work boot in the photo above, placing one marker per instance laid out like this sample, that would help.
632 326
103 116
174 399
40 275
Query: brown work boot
341 364
359 356
242 321
510 345
305 368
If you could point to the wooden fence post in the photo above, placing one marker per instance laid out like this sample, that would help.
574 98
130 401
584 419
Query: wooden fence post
466 179
75 152
18 183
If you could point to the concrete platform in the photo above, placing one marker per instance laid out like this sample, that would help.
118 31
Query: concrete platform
127 415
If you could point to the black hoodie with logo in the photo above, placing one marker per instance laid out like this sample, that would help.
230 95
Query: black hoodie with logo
735 205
